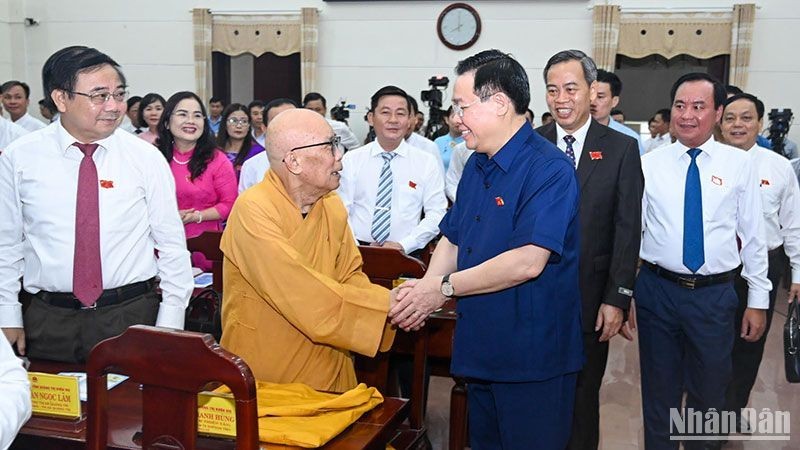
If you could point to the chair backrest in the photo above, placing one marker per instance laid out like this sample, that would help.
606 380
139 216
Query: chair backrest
172 366
383 266
207 243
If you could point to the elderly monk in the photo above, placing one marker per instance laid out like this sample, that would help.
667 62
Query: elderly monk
295 299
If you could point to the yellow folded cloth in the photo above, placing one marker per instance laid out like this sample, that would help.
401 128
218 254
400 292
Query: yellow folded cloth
295 414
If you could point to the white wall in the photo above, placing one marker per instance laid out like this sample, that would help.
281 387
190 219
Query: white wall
363 45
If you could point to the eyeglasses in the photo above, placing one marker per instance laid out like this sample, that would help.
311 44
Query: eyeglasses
459 109
335 143
234 121
100 98
184 115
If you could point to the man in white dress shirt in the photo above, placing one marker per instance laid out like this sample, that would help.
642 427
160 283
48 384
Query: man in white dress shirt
16 99
419 141
410 181
456 168
253 169
90 218
699 195
9 131
15 395
317 103
660 125
742 119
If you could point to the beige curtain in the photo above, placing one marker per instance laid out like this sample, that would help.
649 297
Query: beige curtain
308 53
741 43
605 20
702 35
201 25
279 34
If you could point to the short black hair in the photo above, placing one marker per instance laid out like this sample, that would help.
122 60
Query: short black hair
612 79
385 92
216 100
204 148
545 115
255 103
732 90
616 111
133 100
311 96
10 84
496 71
62 68
275 103
744 96
147 100
587 64
719 88
414 105
664 113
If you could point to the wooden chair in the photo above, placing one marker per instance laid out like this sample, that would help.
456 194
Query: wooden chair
172 366
207 243
383 266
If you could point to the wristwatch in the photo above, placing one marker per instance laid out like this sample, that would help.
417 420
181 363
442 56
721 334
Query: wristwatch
447 287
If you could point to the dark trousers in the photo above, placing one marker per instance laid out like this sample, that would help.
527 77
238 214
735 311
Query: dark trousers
586 420
511 416
685 340
65 334
747 355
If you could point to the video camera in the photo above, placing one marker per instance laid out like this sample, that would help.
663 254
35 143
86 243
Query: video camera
340 112
433 98
779 122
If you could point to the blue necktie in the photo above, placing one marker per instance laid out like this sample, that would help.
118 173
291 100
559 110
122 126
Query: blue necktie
382 217
693 253
570 139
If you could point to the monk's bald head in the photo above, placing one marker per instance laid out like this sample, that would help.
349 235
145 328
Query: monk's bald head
294 128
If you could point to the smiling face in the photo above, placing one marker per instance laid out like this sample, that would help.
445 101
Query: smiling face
390 120
152 114
476 123
15 102
740 124
693 116
186 123
83 119
568 95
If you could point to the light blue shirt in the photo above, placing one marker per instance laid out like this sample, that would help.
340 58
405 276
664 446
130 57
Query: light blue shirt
446 143
624 129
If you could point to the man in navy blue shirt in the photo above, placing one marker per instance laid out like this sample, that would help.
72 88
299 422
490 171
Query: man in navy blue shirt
510 254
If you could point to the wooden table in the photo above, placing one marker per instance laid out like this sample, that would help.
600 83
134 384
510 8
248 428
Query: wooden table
373 430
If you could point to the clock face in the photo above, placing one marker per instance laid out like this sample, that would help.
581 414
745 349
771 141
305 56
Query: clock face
459 26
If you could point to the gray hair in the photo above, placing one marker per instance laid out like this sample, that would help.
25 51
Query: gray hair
587 63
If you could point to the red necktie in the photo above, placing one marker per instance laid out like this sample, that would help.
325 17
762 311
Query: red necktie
87 275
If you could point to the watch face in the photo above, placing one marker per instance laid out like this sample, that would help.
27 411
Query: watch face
458 26
447 289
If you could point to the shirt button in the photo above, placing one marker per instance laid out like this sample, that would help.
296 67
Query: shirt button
487 185
478 218
469 250
459 315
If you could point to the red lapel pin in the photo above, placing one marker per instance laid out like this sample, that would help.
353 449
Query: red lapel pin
764 182
106 184
596 155
412 185
716 180
499 201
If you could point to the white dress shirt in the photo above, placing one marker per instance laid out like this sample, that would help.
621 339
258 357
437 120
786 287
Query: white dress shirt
138 215
658 141
417 186
253 171
262 140
580 139
626 130
9 131
30 123
421 142
456 168
780 199
15 395
731 207
349 139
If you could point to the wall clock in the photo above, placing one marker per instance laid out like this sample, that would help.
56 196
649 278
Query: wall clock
459 26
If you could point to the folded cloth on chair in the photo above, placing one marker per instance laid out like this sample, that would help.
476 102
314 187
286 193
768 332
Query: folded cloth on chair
295 414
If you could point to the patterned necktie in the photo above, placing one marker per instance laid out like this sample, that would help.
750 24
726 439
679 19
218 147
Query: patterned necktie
570 139
87 274
693 252
382 217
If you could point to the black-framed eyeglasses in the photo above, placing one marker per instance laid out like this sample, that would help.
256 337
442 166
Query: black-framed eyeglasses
100 98
335 143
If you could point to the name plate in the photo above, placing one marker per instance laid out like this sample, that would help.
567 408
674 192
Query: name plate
55 395
216 414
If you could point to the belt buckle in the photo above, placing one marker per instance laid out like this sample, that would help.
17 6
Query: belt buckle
688 283
92 306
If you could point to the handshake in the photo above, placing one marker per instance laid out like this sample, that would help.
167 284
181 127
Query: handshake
412 302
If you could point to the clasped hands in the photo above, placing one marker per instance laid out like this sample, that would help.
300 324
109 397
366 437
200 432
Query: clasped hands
413 301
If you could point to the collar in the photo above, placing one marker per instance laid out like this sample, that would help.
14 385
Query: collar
708 147
66 140
508 152
579 134
401 150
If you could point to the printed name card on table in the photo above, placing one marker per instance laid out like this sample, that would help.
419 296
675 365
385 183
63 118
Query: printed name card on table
55 395
216 414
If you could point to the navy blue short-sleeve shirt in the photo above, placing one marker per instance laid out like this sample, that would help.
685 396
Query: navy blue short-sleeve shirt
527 193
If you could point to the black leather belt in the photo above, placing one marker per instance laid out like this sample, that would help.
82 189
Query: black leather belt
109 297
691 281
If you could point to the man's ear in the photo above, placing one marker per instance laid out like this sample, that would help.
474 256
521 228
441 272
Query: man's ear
504 104
59 97
292 164
369 119
614 102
